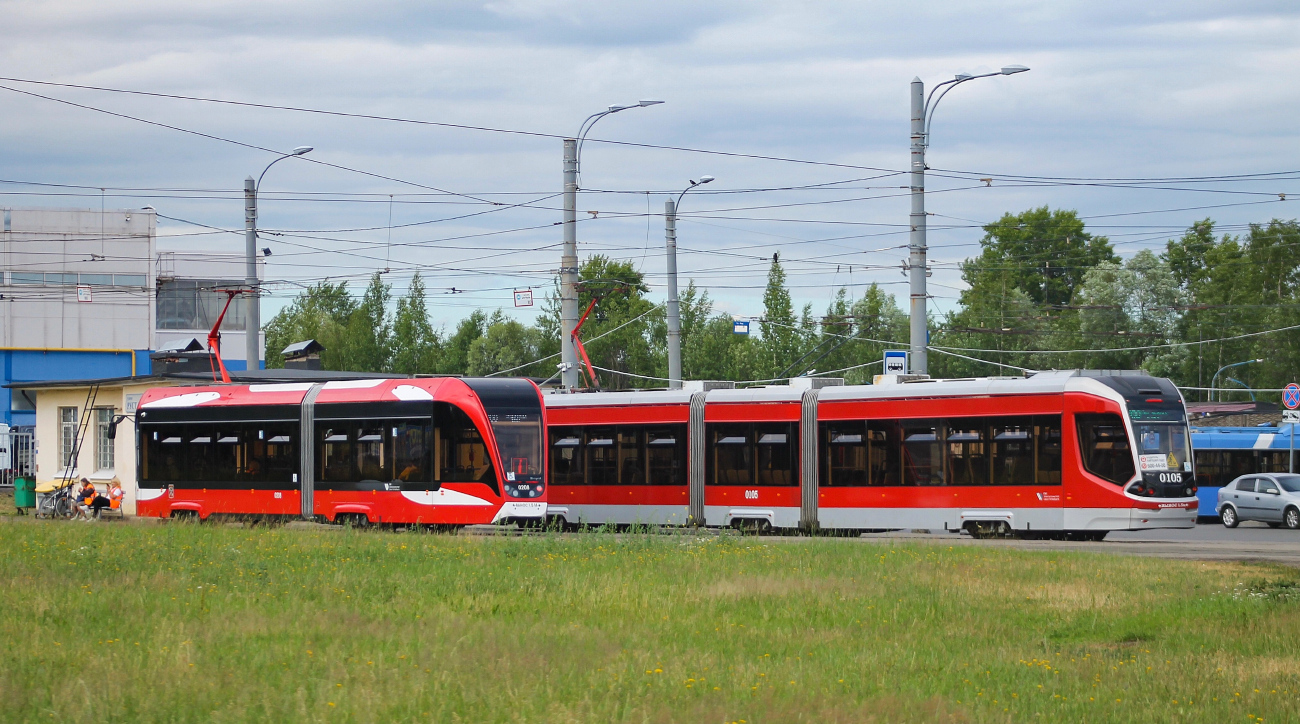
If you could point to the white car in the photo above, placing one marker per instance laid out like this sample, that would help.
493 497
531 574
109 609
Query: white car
1273 498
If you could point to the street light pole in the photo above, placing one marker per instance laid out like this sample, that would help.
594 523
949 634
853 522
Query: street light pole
922 116
1214 381
569 254
253 313
674 310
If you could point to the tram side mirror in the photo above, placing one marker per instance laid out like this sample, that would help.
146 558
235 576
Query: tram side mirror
112 426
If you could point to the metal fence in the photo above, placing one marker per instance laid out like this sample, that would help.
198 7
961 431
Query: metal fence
17 455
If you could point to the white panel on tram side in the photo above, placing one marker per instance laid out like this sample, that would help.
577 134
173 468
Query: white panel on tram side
721 516
1097 518
598 399
622 514
1143 519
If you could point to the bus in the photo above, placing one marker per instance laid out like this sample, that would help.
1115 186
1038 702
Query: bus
433 451
1058 454
1223 453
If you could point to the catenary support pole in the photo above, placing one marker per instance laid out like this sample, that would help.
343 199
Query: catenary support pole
916 263
252 303
569 268
674 311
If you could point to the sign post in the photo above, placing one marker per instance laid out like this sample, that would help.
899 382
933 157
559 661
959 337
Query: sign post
1291 398
895 362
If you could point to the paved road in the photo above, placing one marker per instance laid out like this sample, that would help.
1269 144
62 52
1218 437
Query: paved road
1249 542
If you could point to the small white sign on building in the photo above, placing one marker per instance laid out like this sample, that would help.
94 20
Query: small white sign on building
83 293
1292 416
523 297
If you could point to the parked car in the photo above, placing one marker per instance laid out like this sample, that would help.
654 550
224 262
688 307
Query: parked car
1271 498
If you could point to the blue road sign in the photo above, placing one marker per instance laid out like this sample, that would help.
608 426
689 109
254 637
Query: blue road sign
1291 396
740 327
895 362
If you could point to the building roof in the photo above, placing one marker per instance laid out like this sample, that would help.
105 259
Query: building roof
236 377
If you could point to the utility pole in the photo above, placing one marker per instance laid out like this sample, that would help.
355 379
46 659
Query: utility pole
916 263
674 311
922 116
569 268
252 305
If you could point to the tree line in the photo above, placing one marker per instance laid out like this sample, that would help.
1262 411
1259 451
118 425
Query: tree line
1043 293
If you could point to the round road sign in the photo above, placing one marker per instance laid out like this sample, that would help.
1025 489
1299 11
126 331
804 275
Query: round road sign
1291 396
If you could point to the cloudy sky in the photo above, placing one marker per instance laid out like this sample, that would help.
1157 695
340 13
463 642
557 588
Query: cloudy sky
1164 92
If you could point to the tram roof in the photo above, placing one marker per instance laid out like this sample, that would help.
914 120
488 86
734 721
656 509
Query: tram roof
1041 383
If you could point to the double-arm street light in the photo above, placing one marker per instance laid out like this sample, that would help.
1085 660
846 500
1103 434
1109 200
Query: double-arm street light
1217 393
252 318
674 310
922 115
569 257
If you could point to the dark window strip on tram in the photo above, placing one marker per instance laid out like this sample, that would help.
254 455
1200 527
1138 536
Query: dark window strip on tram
619 455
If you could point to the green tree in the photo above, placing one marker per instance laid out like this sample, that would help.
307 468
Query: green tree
1043 253
781 344
415 343
506 345
455 352
320 312
367 345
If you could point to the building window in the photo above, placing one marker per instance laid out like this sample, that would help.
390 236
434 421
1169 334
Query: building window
196 304
67 437
103 445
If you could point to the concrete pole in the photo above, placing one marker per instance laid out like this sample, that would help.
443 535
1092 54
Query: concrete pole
916 265
252 304
569 268
674 311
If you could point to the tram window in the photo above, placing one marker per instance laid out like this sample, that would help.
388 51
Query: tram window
666 455
922 452
777 456
602 458
239 454
1013 452
461 453
844 459
1047 435
1104 445
411 456
967 452
631 469
566 456
731 454
884 452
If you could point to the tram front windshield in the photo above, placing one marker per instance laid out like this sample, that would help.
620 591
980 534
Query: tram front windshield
1162 439
515 412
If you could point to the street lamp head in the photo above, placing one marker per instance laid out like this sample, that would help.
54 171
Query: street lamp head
1013 69
705 179
617 108
1259 360
149 208
300 150
963 76
644 103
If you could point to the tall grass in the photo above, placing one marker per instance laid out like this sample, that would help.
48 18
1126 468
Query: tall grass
179 623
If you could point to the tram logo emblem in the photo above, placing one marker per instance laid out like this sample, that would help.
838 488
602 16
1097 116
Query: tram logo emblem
1049 497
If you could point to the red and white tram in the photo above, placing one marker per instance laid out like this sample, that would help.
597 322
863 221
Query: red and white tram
1073 453
427 450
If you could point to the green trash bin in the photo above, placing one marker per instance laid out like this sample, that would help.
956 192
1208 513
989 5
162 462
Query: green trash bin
24 492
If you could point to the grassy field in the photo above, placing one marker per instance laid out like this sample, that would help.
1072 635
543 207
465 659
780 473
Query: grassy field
177 623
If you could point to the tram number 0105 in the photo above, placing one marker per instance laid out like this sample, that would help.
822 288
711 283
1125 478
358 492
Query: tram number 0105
751 495
1171 477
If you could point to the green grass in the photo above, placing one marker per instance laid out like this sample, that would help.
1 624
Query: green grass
179 623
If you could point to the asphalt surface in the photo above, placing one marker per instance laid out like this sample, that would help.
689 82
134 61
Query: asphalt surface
1211 542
